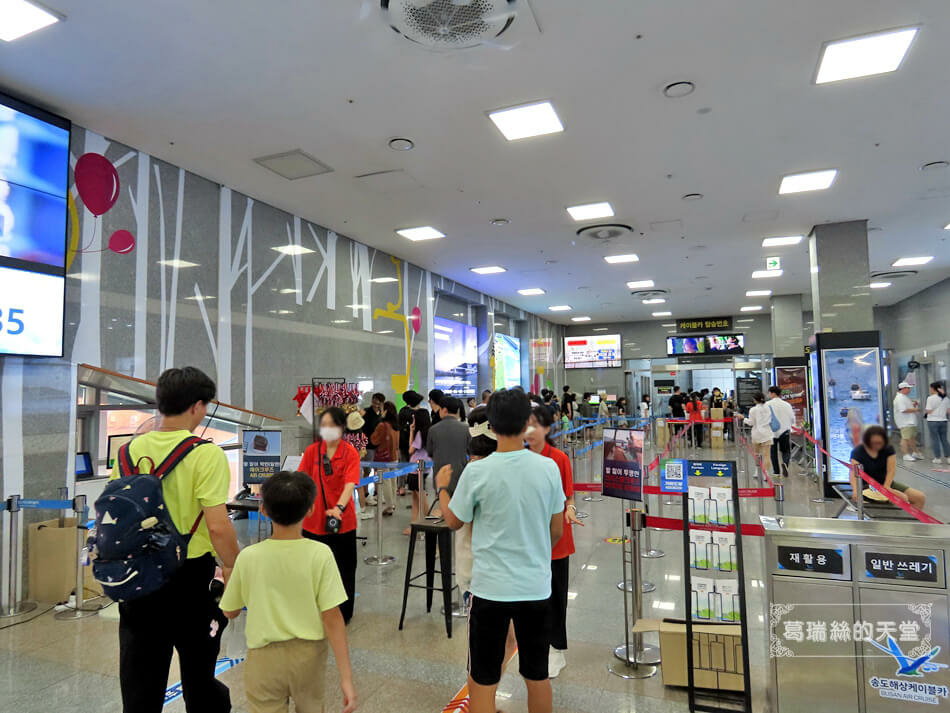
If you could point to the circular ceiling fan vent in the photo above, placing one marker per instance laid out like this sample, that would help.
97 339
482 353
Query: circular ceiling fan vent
893 274
450 24
650 294
605 231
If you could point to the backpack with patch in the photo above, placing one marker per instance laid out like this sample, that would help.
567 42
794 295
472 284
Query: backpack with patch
136 545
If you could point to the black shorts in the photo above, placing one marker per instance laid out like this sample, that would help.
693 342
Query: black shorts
412 480
488 629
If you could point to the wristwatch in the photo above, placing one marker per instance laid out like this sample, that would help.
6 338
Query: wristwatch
342 507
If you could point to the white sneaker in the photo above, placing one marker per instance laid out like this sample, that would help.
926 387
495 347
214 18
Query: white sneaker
910 459
366 515
556 663
918 456
938 461
370 500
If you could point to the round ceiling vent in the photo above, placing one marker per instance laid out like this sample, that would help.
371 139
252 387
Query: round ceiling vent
400 143
935 165
893 274
678 90
605 231
650 294
498 222
450 24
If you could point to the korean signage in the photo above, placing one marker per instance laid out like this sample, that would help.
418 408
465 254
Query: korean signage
261 454
623 463
712 468
826 560
703 324
916 568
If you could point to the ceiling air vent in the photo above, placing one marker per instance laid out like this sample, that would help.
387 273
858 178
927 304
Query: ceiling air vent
450 24
650 294
605 231
293 165
893 274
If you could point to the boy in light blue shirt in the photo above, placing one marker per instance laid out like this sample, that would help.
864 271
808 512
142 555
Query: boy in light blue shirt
515 501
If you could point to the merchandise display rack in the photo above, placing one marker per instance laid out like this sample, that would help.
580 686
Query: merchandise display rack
713 651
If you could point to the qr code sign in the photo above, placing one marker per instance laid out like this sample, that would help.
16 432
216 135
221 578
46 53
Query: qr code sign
674 470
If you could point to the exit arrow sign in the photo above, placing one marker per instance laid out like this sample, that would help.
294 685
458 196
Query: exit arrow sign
773 263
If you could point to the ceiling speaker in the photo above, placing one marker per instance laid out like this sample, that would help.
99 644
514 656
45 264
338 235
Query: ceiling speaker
605 231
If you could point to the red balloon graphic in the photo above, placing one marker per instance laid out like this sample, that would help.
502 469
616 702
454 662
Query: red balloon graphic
97 182
122 241
416 318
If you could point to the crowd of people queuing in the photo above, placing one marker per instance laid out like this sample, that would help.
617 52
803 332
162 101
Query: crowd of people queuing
499 480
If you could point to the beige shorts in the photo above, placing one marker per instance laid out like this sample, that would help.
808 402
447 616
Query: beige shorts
286 669
908 433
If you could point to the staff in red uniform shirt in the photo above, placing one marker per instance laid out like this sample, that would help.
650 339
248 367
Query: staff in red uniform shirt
537 436
334 466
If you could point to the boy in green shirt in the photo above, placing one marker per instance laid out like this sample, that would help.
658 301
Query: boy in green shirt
292 590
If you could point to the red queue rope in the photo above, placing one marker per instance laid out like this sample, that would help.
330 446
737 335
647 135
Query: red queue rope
673 523
893 499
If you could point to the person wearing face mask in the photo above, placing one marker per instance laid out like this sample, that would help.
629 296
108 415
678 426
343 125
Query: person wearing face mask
334 465
537 436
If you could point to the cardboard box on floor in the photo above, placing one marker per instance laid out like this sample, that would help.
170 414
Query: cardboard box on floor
717 656
53 561
716 429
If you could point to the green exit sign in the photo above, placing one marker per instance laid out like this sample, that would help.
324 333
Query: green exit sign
773 263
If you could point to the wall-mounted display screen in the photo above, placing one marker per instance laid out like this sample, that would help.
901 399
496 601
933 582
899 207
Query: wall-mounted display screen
600 351
34 164
507 361
706 344
456 357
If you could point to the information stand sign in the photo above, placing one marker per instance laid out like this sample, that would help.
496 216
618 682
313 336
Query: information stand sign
623 463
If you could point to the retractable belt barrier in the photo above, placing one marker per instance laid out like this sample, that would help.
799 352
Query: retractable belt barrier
916 512
403 469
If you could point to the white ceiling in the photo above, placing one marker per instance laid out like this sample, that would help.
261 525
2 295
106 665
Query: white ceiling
210 86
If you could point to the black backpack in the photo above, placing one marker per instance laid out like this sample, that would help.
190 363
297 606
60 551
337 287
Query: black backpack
136 544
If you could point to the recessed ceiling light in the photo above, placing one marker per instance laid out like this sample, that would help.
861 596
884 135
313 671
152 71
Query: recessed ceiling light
293 165
527 120
400 143
751 308
618 259
750 319
879 53
935 165
281 311
498 324
843 304
340 321
811 181
780 242
911 261
879 285
288 291
580 319
385 331
559 308
200 298
759 274
600 329
424 232
758 293
21 18
662 314
693 197
382 280
678 90
177 263
292 249
498 222
654 301
640 284
488 270
531 291
590 211
668 324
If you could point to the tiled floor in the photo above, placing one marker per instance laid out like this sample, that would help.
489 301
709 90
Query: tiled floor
50 666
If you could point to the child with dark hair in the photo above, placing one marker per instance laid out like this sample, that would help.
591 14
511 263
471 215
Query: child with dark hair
293 591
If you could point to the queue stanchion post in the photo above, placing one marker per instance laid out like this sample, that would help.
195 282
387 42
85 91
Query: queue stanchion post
858 492
13 606
82 555
593 496
63 495
634 660
819 470
379 559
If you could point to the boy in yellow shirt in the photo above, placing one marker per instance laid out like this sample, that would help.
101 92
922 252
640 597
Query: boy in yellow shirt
292 590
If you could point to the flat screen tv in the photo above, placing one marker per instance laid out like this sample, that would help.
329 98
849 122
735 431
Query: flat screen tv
456 357
507 361
708 344
34 165
599 351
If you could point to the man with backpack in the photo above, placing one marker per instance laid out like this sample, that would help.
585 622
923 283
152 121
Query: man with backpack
179 612
783 418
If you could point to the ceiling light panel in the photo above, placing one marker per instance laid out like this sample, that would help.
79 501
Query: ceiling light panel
654 301
783 241
531 291
761 274
879 285
640 284
292 249
591 211
662 314
879 53
759 293
384 280
177 263
811 181
488 270
580 319
751 308
292 164
619 259
424 232
912 261
560 308
20 18
527 120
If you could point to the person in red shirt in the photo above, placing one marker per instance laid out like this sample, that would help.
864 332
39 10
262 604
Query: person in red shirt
538 439
694 409
334 465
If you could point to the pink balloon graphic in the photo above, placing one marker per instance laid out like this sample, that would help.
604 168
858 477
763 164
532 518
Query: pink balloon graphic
416 318
121 242
97 182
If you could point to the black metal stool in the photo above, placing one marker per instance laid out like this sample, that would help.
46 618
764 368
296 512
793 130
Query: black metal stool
436 533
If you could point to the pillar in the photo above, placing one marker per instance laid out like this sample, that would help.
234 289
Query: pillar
840 277
787 326
483 318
